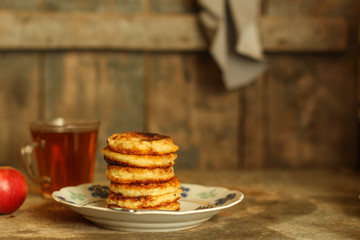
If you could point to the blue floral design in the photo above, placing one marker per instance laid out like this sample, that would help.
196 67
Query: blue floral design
99 191
64 200
185 191
222 201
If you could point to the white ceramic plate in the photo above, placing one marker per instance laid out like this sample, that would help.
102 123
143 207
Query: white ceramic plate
197 204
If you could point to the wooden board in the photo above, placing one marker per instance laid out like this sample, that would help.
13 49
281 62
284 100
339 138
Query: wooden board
310 8
107 86
20 88
187 100
319 110
102 6
215 115
169 104
315 94
304 34
176 32
51 30
28 5
253 124
171 7
302 112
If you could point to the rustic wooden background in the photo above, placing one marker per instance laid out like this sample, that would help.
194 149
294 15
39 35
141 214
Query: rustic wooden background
150 71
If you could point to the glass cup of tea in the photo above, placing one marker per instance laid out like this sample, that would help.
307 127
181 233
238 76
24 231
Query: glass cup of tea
65 153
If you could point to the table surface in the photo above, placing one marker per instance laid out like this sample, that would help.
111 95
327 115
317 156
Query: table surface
278 204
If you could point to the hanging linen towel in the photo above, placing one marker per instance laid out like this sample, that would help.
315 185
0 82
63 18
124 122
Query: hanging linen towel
232 28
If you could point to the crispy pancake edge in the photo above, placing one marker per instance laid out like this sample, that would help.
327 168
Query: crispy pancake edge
141 143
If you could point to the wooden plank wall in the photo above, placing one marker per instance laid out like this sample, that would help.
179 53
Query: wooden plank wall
49 30
301 113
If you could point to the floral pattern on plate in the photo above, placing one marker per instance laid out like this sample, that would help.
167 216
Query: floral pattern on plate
198 204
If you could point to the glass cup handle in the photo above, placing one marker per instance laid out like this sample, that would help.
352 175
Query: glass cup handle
26 152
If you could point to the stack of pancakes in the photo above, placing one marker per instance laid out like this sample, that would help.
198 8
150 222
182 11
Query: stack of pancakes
140 168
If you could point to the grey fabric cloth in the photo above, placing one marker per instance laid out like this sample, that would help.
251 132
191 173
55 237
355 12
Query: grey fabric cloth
232 28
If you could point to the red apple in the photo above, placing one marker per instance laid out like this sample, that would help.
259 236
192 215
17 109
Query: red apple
13 189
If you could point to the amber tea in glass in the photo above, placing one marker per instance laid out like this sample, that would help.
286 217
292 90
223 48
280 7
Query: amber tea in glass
65 152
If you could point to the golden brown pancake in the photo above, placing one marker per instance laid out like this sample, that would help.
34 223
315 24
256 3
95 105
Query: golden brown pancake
173 206
140 170
131 160
139 143
143 202
136 190
126 175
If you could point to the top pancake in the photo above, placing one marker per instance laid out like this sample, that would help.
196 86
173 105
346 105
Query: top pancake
141 143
